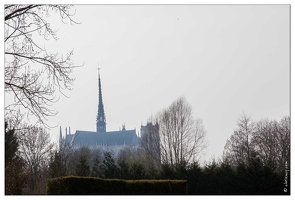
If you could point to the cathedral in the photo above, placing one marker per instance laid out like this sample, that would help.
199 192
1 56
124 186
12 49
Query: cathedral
112 141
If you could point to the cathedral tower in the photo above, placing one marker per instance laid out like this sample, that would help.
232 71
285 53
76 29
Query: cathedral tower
100 119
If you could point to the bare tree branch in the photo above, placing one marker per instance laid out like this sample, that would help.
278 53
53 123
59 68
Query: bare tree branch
33 75
182 138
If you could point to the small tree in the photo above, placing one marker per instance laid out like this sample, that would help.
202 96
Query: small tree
57 166
137 171
35 149
82 169
124 162
108 166
96 158
95 170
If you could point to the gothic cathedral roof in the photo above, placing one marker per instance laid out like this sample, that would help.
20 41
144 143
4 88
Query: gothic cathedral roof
101 137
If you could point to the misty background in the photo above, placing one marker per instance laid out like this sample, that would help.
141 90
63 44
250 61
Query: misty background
224 59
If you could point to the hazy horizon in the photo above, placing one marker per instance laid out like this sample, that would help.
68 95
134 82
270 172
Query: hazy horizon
224 59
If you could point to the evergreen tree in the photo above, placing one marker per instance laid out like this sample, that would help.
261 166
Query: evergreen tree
56 167
95 170
226 179
123 170
196 184
82 168
167 172
15 177
11 144
108 166
137 171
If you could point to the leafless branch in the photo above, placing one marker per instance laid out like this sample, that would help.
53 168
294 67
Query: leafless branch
33 75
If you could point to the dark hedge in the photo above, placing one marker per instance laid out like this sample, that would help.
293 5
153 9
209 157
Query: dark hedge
73 185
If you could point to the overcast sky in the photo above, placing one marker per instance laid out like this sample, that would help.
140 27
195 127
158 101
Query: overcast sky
224 59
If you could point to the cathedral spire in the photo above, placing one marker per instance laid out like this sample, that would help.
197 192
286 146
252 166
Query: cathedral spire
60 138
60 134
100 119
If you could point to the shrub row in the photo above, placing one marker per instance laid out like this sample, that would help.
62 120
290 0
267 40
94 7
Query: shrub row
74 185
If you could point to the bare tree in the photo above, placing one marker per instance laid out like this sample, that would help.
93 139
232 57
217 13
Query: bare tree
269 140
265 141
32 74
182 138
35 148
238 148
272 142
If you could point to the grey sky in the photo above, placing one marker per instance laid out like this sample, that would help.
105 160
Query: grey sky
225 59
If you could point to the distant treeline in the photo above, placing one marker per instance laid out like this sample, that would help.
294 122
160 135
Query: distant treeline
256 161
252 178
